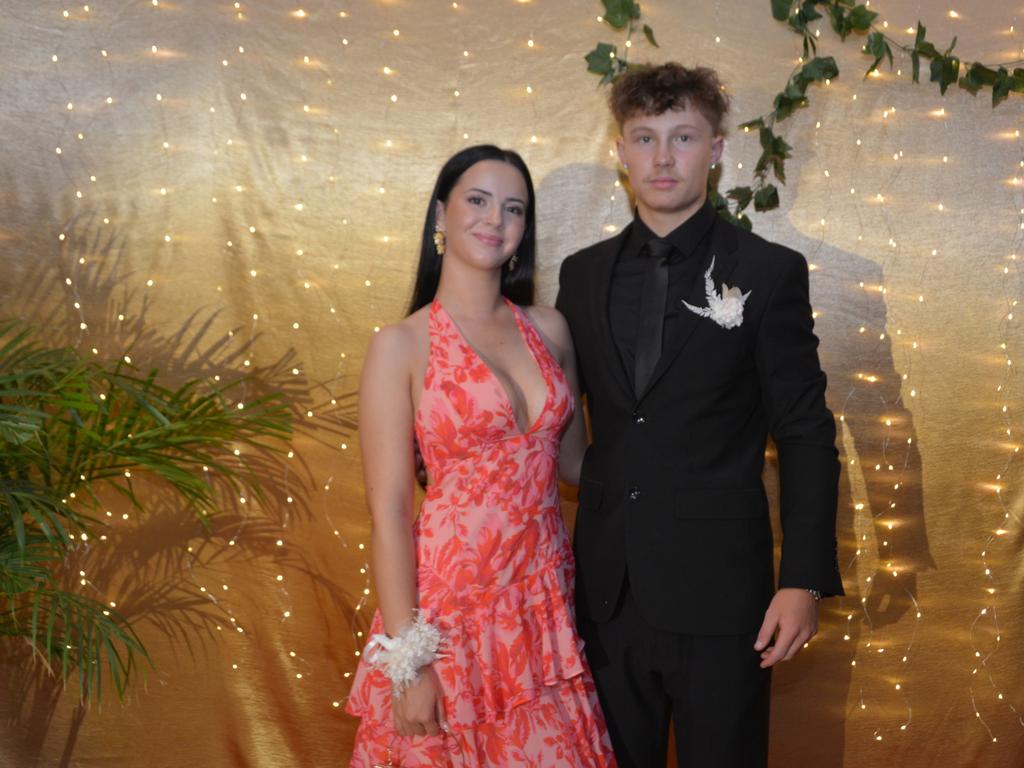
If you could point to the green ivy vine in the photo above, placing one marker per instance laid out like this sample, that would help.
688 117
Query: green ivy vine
605 59
846 17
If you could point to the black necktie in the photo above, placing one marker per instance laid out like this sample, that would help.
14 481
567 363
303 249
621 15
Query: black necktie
653 298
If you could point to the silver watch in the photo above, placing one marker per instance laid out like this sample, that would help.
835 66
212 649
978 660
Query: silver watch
815 594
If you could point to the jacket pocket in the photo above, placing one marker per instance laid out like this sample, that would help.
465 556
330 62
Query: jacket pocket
721 503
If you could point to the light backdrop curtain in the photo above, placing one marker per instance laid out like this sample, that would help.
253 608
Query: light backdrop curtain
218 188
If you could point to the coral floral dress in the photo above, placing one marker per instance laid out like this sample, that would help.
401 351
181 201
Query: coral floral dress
495 573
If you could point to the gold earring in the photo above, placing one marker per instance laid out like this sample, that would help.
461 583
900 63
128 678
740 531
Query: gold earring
512 262
439 242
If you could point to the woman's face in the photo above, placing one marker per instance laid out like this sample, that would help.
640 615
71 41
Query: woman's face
485 216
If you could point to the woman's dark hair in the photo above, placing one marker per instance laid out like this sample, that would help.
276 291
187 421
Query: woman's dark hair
516 284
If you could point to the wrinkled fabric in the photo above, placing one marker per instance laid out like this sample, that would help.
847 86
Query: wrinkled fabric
901 289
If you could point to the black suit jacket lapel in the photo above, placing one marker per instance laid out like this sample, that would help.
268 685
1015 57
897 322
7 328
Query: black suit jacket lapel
680 325
604 268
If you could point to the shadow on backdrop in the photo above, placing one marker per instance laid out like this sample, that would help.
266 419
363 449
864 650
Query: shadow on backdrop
810 694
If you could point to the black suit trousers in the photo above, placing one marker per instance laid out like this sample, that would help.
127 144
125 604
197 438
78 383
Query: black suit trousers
711 687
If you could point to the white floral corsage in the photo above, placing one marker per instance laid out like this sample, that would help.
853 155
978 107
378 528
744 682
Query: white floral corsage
401 657
726 308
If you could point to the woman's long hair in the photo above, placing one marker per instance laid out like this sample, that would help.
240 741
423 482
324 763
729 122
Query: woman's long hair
516 284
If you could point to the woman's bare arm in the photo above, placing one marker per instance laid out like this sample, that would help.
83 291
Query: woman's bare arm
386 435
386 438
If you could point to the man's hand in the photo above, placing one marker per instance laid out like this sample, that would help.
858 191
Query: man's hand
419 711
793 613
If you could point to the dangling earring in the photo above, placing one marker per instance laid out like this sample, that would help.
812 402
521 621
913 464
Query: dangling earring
439 242
512 262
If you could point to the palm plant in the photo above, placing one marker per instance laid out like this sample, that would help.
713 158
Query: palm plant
72 429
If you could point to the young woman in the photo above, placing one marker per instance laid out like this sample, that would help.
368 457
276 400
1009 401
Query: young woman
474 658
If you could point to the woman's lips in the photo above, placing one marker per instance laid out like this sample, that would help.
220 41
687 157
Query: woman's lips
490 240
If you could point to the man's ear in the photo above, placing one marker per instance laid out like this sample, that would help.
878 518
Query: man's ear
620 146
717 148
439 215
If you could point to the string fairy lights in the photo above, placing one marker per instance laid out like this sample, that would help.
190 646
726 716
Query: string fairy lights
887 652
270 188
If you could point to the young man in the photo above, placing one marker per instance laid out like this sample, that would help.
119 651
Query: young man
685 378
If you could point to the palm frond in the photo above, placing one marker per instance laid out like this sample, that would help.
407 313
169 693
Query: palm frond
70 428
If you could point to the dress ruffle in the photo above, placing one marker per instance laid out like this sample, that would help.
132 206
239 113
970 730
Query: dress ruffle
554 730
503 645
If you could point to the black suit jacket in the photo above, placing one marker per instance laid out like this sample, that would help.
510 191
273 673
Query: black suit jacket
671 486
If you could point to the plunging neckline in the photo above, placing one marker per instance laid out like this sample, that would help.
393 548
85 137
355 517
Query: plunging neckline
524 336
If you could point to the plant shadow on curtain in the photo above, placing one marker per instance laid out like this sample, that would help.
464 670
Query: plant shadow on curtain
157 560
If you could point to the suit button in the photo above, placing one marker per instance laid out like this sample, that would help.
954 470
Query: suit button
639 418
634 494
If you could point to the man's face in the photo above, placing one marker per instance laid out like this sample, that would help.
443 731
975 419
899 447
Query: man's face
668 158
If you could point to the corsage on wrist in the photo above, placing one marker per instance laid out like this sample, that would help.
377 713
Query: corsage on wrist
401 657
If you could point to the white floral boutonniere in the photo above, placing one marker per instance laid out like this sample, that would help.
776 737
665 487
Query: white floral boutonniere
726 308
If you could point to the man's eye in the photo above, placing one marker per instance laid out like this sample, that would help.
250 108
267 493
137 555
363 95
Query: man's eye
645 139
683 139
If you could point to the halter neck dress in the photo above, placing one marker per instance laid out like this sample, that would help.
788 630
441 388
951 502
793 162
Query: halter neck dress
494 569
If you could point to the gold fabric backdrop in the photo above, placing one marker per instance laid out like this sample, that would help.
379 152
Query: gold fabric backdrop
214 188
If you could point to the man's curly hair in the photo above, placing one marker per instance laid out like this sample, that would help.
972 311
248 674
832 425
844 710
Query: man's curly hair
649 89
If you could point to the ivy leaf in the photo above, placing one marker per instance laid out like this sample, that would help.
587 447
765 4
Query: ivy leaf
601 60
742 196
781 9
799 20
618 12
774 152
808 12
649 34
766 198
977 77
1002 86
1017 81
785 105
915 59
861 18
945 71
840 20
819 69
751 124
879 48
919 37
721 206
794 95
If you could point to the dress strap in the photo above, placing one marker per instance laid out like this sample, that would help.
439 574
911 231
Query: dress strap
532 336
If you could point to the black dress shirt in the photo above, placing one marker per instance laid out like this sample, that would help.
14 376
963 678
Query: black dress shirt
691 243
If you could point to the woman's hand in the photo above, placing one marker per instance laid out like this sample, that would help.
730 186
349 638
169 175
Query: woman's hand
419 711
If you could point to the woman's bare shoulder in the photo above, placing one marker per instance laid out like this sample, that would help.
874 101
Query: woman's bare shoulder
550 321
553 328
402 342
